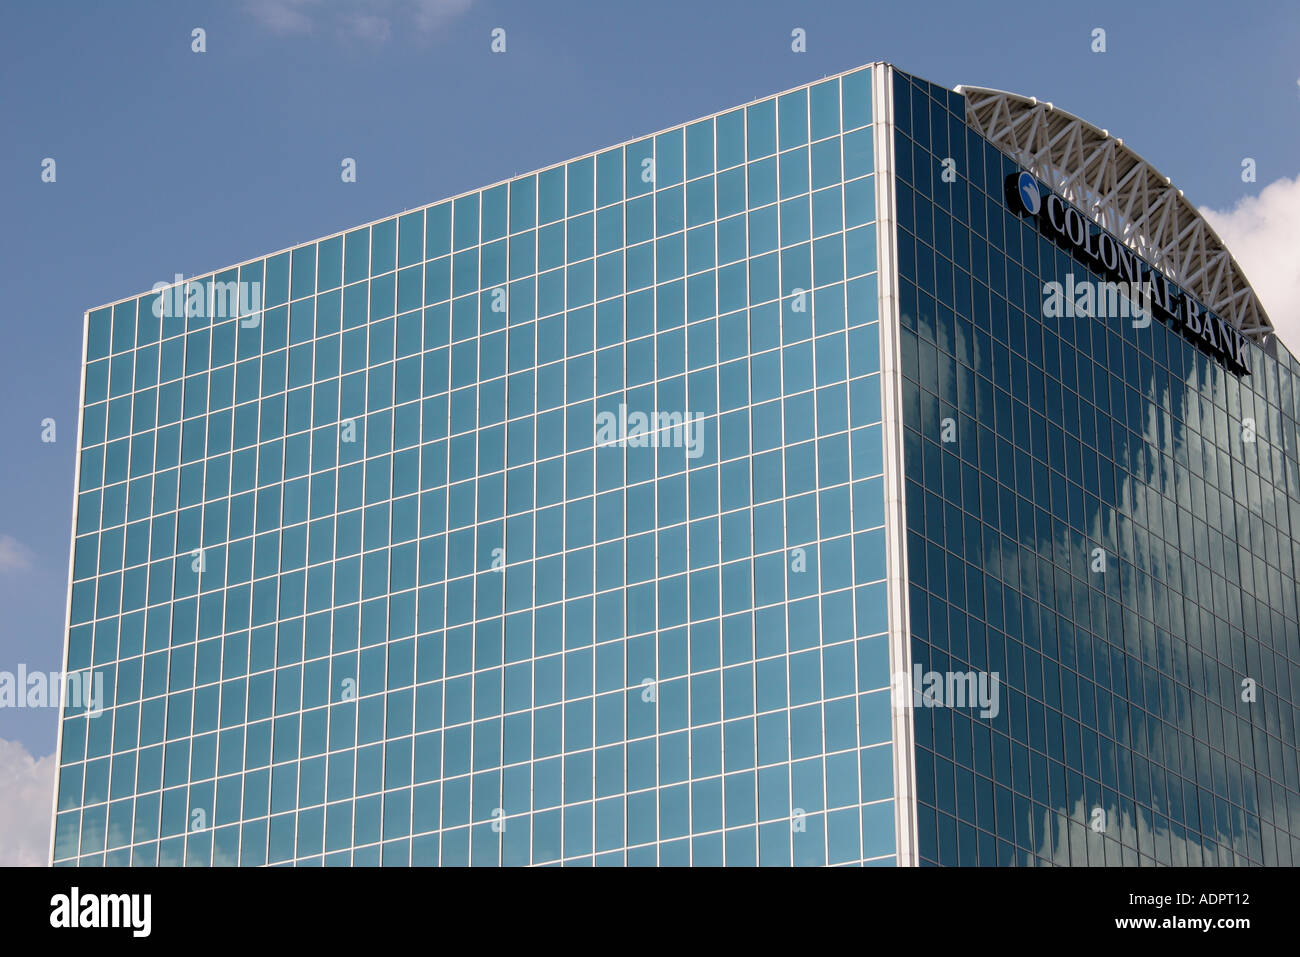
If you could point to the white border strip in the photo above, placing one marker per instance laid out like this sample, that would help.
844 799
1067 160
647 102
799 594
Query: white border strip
891 388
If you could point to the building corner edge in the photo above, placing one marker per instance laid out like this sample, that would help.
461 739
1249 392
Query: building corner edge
891 387
67 620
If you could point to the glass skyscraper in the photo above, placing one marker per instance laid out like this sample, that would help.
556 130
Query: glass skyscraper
622 513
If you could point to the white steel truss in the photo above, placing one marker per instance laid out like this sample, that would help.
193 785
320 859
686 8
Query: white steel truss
1124 194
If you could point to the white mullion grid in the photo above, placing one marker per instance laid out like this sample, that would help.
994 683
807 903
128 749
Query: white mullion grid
653 386
595 486
388 547
334 559
627 485
595 639
202 505
300 708
621 394
472 626
530 657
252 574
418 408
303 711
446 536
382 743
525 814
332 655
656 381
243 762
719 535
749 493
853 567
537 460
653 336
717 477
785 554
595 494
687 473
221 648
686 488
532 512
169 602
562 411
116 620
198 588
302 658
505 557
108 776
816 445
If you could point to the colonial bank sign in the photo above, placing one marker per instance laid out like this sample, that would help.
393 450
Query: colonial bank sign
1098 249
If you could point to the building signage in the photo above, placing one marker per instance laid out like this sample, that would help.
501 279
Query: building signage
1098 249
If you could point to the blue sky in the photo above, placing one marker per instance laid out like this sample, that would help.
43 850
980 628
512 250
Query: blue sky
170 161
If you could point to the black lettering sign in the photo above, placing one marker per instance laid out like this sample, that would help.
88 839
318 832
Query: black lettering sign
1098 249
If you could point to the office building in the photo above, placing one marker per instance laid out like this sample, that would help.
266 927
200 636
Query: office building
598 517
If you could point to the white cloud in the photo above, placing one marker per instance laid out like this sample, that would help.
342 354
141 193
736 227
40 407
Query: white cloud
1263 234
371 20
14 555
26 796
365 26
434 13
283 16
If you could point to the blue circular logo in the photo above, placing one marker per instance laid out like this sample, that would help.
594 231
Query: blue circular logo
1031 200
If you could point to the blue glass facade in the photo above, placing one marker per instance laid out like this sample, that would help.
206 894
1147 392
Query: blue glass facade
367 584
589 518
1110 528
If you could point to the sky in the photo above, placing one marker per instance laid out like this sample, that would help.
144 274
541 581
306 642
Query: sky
171 160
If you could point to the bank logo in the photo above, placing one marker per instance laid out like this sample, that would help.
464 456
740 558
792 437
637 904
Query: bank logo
1110 258
1031 200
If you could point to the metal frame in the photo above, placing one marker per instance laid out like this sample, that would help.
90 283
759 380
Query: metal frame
1124 194
895 487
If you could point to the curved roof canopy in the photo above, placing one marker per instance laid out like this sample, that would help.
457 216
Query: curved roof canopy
1124 194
